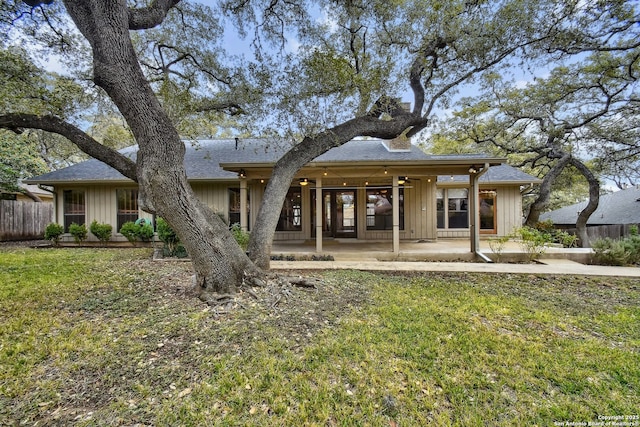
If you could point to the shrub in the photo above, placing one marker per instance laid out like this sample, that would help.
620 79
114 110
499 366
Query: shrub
532 241
79 232
241 236
609 252
557 236
170 239
53 233
145 232
497 245
137 230
130 230
567 240
101 231
632 248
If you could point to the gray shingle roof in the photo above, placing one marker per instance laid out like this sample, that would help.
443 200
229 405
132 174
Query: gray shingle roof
621 207
496 174
203 159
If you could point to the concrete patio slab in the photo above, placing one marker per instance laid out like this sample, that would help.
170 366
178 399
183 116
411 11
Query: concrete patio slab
471 267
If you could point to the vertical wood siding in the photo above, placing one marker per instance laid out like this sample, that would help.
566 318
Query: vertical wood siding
419 208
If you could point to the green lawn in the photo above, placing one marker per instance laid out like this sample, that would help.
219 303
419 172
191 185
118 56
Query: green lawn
108 337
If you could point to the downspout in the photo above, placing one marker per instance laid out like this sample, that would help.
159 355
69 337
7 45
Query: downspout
475 225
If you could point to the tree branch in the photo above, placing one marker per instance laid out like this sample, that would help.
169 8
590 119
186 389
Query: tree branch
17 122
150 16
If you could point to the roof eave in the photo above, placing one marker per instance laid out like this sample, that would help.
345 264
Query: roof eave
492 161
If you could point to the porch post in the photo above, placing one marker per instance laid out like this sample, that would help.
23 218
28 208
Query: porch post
474 232
474 205
244 223
395 195
318 220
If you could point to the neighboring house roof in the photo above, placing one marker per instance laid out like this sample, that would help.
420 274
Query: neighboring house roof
620 207
203 160
33 189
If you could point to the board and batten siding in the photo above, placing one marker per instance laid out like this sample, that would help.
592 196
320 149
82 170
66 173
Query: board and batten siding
101 204
419 209
508 212
215 195
509 209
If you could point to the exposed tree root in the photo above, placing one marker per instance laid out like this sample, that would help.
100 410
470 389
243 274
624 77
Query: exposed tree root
274 290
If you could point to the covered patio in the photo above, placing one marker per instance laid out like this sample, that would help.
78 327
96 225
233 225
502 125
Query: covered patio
448 250
406 175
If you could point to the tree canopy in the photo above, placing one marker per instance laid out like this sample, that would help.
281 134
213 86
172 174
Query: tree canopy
318 75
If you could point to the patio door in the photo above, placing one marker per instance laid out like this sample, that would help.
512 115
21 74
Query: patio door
338 213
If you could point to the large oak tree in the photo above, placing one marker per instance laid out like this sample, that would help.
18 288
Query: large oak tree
343 81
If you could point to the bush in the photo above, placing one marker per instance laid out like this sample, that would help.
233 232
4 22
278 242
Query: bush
53 233
137 230
632 248
497 245
565 239
532 241
145 232
557 236
170 239
130 230
609 252
241 236
101 231
79 232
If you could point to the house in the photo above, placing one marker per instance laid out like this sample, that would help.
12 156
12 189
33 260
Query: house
367 189
34 190
616 212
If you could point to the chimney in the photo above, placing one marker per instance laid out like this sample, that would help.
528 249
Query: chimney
399 144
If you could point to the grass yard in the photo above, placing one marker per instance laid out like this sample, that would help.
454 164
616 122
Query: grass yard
108 337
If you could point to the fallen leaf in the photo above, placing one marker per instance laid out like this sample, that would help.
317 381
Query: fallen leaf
185 392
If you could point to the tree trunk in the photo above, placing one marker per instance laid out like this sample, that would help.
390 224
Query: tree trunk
282 175
219 262
311 147
545 191
592 205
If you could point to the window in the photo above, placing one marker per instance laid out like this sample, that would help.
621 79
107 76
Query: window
488 211
440 207
291 214
380 209
127 205
74 208
452 207
458 208
234 206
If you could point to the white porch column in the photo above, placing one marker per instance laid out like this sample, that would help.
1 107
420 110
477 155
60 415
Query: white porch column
244 217
395 195
474 205
474 213
318 220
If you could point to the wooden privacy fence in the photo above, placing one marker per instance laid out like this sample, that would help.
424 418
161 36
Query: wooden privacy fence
613 231
24 220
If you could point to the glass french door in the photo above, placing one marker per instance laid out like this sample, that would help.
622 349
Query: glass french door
338 213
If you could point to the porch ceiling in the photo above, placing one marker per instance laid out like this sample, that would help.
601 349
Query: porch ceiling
370 169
